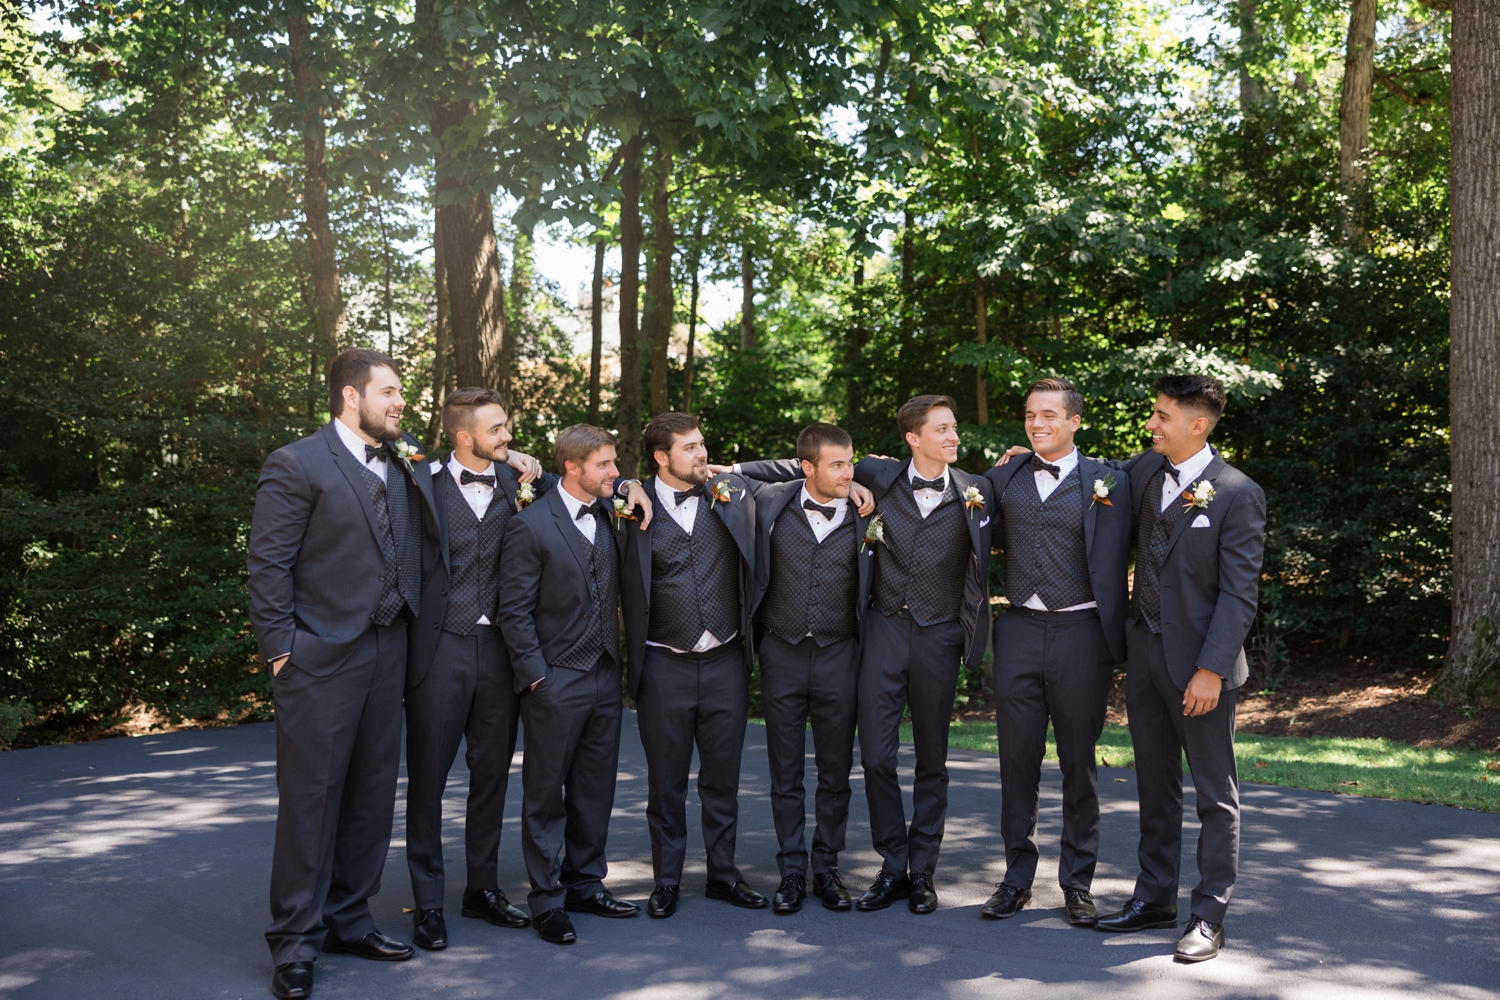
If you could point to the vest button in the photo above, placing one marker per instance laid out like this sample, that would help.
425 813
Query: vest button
382 578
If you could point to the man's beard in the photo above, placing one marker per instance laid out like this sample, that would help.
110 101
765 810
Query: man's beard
373 424
600 488
831 489
498 455
695 475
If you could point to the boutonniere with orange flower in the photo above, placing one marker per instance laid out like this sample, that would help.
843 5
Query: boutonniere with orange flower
406 453
524 495
722 492
874 532
1101 490
623 511
1199 496
973 500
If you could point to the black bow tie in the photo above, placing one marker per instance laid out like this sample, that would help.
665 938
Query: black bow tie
918 483
376 451
586 510
466 477
1169 469
1039 465
679 497
827 512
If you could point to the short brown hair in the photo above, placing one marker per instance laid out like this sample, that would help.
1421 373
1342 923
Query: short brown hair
814 437
1203 393
352 368
577 443
662 429
1072 398
913 412
459 407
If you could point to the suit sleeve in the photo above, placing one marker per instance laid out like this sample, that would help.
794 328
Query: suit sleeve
546 483
283 506
1242 545
519 590
771 470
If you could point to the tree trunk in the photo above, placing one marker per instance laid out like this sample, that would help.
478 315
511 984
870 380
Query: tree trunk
1471 672
440 336
522 272
629 406
1354 112
857 337
1250 90
687 365
981 334
747 297
664 305
596 325
325 269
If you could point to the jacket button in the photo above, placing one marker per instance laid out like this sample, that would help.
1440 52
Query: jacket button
445 593
434 625
382 578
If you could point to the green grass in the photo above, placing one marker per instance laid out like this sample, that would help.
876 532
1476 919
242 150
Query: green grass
1383 768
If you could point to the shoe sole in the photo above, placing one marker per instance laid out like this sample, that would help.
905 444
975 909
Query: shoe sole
788 910
871 909
369 958
840 905
1193 959
598 913
654 915
571 940
1158 925
435 946
744 906
992 915
921 911
1083 922
477 915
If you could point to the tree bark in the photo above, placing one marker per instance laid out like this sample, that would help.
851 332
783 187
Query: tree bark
629 406
596 324
1250 89
440 336
981 334
332 320
857 337
687 365
661 301
1354 112
747 297
1471 672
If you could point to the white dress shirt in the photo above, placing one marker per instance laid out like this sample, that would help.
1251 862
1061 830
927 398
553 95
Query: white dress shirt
1045 485
479 495
585 526
1187 472
685 516
927 500
820 524
356 446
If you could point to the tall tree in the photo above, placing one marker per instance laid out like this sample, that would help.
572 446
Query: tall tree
1354 112
747 296
596 330
661 301
629 399
1250 88
1473 664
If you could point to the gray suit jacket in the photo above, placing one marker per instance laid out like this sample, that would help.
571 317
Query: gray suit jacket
1108 531
1210 578
635 577
770 500
879 475
315 561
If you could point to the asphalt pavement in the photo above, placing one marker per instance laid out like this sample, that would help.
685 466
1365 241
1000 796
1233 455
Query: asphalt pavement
139 868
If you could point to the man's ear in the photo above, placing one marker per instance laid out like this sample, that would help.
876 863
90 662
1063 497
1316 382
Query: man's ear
351 398
808 469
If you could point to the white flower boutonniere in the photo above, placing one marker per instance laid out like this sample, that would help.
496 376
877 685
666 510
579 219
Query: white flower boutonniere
973 500
406 453
722 492
524 495
875 532
1101 490
623 510
1199 496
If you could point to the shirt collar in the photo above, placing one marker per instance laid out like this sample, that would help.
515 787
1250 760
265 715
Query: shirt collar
457 469
911 473
1066 464
352 441
573 504
1193 467
668 495
837 503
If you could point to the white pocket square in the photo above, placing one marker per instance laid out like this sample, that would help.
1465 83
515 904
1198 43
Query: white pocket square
984 522
1201 521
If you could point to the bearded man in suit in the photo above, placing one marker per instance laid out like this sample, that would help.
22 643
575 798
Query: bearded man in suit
342 536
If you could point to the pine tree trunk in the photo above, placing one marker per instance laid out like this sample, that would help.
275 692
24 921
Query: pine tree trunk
1354 112
854 359
332 320
1471 672
596 328
981 334
629 406
747 297
687 365
440 336
661 302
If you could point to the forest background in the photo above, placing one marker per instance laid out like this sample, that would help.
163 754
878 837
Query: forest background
201 202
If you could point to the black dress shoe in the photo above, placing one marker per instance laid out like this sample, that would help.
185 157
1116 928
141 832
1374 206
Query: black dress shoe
428 930
375 946
1078 904
491 905
884 891
1007 901
829 887
737 892
790 894
923 898
292 981
663 901
601 904
1200 942
554 927
1139 915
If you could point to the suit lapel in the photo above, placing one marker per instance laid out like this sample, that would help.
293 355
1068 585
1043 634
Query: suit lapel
741 528
355 473
961 482
575 541
506 482
1150 467
1088 471
643 542
1184 518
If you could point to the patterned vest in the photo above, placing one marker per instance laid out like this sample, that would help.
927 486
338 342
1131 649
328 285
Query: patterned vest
813 586
922 561
474 553
602 635
398 523
1045 551
1152 536
695 580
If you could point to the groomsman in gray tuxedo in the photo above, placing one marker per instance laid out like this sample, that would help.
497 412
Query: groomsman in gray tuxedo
1064 523
1200 539
342 536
